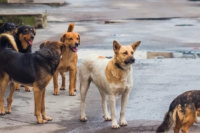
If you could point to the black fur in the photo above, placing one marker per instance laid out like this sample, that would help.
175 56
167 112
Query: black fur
8 27
27 67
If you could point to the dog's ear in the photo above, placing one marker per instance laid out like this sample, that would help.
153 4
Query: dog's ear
62 47
79 41
44 43
62 38
34 31
135 45
16 30
116 46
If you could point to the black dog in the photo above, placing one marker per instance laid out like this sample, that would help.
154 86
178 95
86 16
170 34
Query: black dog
34 69
8 28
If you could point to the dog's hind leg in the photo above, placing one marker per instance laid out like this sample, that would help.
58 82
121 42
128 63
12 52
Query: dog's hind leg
44 116
63 81
112 99
38 104
106 115
84 85
3 84
10 98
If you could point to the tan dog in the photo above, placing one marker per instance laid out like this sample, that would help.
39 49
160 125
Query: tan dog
68 61
112 77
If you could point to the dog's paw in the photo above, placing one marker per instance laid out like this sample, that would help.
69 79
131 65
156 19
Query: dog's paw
123 123
56 93
17 89
83 119
27 89
2 111
47 118
72 93
107 118
115 126
62 88
8 111
42 121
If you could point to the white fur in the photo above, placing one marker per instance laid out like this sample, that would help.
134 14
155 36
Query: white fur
94 69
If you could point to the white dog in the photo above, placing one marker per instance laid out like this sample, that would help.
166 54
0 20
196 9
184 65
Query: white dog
113 77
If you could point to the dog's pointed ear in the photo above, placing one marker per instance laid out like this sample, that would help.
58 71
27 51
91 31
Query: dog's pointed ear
62 38
116 46
135 45
42 45
34 31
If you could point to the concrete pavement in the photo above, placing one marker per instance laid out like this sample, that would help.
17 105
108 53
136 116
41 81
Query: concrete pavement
160 25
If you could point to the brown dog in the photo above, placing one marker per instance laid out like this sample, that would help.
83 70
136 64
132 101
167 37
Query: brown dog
183 112
68 61
40 67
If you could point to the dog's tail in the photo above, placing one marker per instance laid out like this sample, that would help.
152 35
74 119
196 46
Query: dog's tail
70 27
167 122
7 40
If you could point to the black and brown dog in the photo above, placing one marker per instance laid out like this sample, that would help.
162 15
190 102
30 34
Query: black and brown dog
33 69
24 36
183 111
9 28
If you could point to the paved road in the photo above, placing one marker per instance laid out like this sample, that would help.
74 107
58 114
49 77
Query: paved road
160 25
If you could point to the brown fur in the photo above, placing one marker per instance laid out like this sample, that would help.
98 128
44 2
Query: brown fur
68 62
184 117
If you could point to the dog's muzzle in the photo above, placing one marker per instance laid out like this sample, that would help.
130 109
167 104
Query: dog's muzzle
130 61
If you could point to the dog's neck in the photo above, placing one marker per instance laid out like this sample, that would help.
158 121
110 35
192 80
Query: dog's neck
115 73
118 66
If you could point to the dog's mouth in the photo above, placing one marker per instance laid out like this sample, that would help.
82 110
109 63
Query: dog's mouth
74 49
30 42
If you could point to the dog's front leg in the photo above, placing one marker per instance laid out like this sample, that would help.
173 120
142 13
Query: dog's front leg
10 98
72 77
112 99
38 103
55 83
124 100
44 116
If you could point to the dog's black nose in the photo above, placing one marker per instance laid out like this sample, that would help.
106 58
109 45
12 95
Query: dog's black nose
76 44
130 61
32 37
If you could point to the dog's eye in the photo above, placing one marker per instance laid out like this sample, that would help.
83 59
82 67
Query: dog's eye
132 52
70 39
125 53
25 32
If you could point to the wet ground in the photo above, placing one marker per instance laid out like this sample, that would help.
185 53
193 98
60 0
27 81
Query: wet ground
162 26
